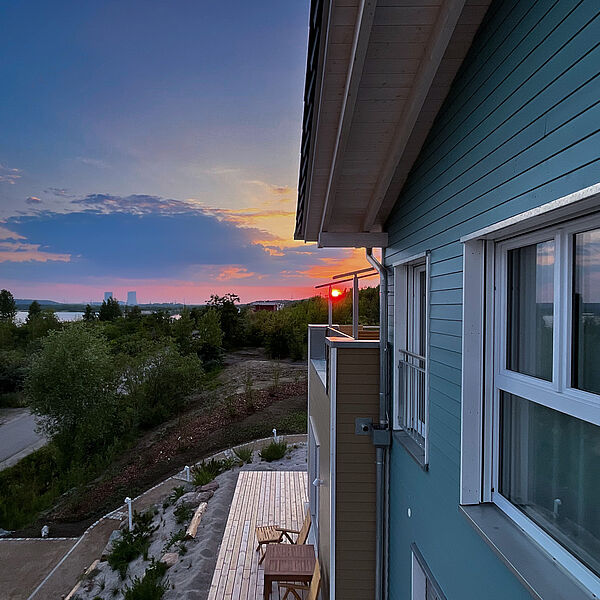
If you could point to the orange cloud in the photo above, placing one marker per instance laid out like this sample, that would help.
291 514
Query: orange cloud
235 273
327 267
21 252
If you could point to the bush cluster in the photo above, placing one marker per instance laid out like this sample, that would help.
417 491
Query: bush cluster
207 470
274 451
150 586
132 543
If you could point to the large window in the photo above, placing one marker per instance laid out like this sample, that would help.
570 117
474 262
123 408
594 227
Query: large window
545 404
411 341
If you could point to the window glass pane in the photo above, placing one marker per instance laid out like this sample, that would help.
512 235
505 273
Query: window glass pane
586 311
530 310
549 470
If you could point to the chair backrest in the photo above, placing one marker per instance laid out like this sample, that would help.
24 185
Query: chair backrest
315 583
303 535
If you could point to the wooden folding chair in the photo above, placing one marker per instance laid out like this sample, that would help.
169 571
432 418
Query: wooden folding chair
272 534
295 588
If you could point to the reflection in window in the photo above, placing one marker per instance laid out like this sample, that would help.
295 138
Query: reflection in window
586 311
549 470
530 310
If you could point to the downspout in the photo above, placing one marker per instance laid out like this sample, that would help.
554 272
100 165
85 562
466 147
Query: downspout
381 436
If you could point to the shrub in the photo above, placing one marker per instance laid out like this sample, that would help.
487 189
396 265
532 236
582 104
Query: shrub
244 453
206 471
183 513
150 586
160 384
274 451
132 544
176 494
177 537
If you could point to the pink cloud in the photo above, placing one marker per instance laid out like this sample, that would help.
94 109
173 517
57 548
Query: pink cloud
22 252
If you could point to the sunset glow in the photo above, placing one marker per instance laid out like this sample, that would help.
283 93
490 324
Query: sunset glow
163 157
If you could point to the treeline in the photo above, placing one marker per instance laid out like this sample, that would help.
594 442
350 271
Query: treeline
97 384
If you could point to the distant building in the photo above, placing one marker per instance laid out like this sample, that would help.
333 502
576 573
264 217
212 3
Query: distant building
271 305
132 298
107 295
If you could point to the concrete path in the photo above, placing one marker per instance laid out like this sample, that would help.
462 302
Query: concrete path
18 437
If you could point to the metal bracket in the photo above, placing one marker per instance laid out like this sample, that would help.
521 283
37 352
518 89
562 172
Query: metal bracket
363 425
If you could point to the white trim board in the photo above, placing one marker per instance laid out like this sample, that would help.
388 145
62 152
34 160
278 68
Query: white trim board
332 469
571 206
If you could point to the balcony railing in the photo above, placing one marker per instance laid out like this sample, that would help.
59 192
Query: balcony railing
411 393
319 349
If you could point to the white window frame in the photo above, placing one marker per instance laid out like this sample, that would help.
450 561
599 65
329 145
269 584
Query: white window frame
422 578
405 328
484 370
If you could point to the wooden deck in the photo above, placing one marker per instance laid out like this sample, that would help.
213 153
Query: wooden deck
260 498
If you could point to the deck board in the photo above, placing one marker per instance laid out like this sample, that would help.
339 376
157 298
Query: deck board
260 498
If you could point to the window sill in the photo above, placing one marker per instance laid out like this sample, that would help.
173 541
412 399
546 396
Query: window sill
535 569
416 452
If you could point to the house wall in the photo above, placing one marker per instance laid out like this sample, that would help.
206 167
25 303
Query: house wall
519 128
319 413
357 395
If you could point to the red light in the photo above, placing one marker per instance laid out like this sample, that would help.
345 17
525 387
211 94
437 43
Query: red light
335 293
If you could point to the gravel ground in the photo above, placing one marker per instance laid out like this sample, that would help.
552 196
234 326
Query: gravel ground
191 576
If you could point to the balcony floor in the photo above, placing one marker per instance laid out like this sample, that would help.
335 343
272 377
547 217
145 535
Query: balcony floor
260 498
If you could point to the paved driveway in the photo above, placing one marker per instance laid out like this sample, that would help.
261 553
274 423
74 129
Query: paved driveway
18 437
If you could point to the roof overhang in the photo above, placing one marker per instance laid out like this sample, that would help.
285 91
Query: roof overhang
377 75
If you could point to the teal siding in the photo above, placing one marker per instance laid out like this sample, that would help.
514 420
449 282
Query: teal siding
520 127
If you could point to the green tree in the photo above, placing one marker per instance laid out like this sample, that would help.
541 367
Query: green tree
34 310
39 325
209 336
110 310
89 313
133 313
72 385
232 323
159 384
8 306
183 329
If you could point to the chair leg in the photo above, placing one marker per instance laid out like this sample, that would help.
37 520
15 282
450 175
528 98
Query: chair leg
291 591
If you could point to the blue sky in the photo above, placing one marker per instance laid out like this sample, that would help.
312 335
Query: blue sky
154 146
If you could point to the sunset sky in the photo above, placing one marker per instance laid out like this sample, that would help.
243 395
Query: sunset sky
154 146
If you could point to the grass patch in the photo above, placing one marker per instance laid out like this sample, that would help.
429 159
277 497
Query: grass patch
274 451
35 483
183 513
245 454
207 470
150 586
133 543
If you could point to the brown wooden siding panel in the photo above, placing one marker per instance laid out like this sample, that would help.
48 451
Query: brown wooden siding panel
357 395
319 413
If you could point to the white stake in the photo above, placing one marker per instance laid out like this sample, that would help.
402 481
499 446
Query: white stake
128 502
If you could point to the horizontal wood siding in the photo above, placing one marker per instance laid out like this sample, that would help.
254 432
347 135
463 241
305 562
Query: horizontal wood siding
319 412
519 128
357 396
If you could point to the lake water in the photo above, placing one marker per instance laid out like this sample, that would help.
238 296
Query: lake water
60 315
